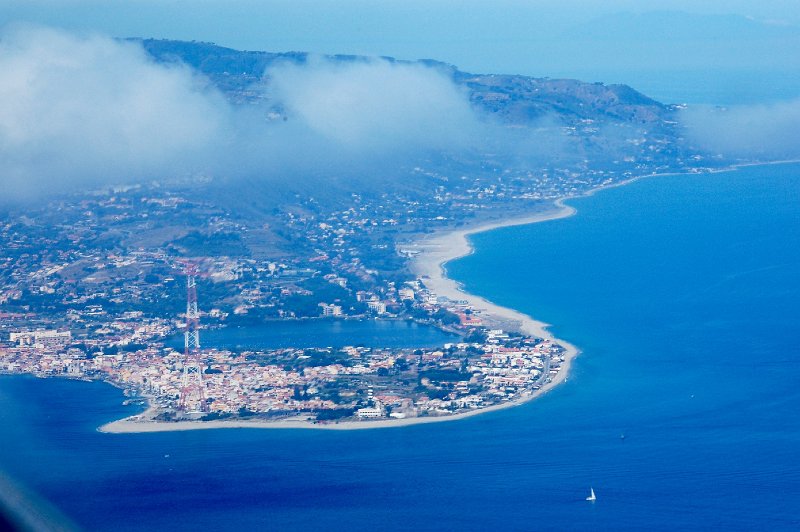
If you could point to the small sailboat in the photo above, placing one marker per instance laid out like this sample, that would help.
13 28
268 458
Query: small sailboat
591 496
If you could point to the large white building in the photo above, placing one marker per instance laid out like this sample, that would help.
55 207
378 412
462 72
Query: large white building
406 294
369 412
378 307
41 339
331 310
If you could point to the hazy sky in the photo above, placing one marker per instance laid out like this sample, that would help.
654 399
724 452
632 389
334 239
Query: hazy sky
82 110
78 107
650 44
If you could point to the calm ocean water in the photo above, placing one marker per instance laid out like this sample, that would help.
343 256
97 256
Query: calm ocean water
682 291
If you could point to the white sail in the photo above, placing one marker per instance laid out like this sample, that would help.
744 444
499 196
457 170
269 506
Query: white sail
591 497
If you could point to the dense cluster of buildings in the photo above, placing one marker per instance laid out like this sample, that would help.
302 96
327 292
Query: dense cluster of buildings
92 287
353 382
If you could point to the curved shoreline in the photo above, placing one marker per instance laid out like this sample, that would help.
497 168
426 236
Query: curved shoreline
435 252
440 249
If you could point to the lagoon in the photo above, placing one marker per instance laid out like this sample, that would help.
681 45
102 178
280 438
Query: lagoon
322 333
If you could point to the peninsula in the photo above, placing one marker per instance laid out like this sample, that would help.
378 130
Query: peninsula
520 383
95 282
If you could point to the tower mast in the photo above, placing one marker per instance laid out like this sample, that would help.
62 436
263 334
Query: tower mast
192 388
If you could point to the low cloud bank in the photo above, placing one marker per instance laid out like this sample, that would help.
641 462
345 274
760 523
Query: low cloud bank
764 131
84 110
375 105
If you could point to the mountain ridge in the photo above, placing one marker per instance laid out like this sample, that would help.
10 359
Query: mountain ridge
517 98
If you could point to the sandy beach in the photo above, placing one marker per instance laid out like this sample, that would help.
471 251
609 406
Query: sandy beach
134 425
430 265
436 251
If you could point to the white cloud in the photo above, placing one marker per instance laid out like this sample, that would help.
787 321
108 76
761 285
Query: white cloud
768 131
88 109
82 110
375 104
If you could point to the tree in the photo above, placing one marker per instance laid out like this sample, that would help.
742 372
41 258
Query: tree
476 336
446 317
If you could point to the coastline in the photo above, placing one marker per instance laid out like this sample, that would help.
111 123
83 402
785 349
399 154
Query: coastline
439 249
435 252
131 425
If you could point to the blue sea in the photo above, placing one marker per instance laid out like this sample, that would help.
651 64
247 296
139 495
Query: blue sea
683 293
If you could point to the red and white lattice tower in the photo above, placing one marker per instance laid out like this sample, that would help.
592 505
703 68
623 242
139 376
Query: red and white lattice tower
193 397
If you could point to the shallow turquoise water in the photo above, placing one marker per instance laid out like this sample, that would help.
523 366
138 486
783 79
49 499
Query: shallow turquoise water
683 293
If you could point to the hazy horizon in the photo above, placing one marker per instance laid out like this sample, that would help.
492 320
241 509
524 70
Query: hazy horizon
91 109
71 82
676 51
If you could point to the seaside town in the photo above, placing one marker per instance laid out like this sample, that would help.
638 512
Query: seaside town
399 265
93 286
85 299
93 283
319 384
485 367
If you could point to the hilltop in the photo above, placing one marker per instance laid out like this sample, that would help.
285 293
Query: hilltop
569 134
519 99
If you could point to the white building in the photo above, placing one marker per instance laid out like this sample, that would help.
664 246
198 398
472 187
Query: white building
370 412
331 310
378 307
406 294
41 339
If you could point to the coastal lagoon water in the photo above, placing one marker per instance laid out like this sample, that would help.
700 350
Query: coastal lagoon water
323 333
683 293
